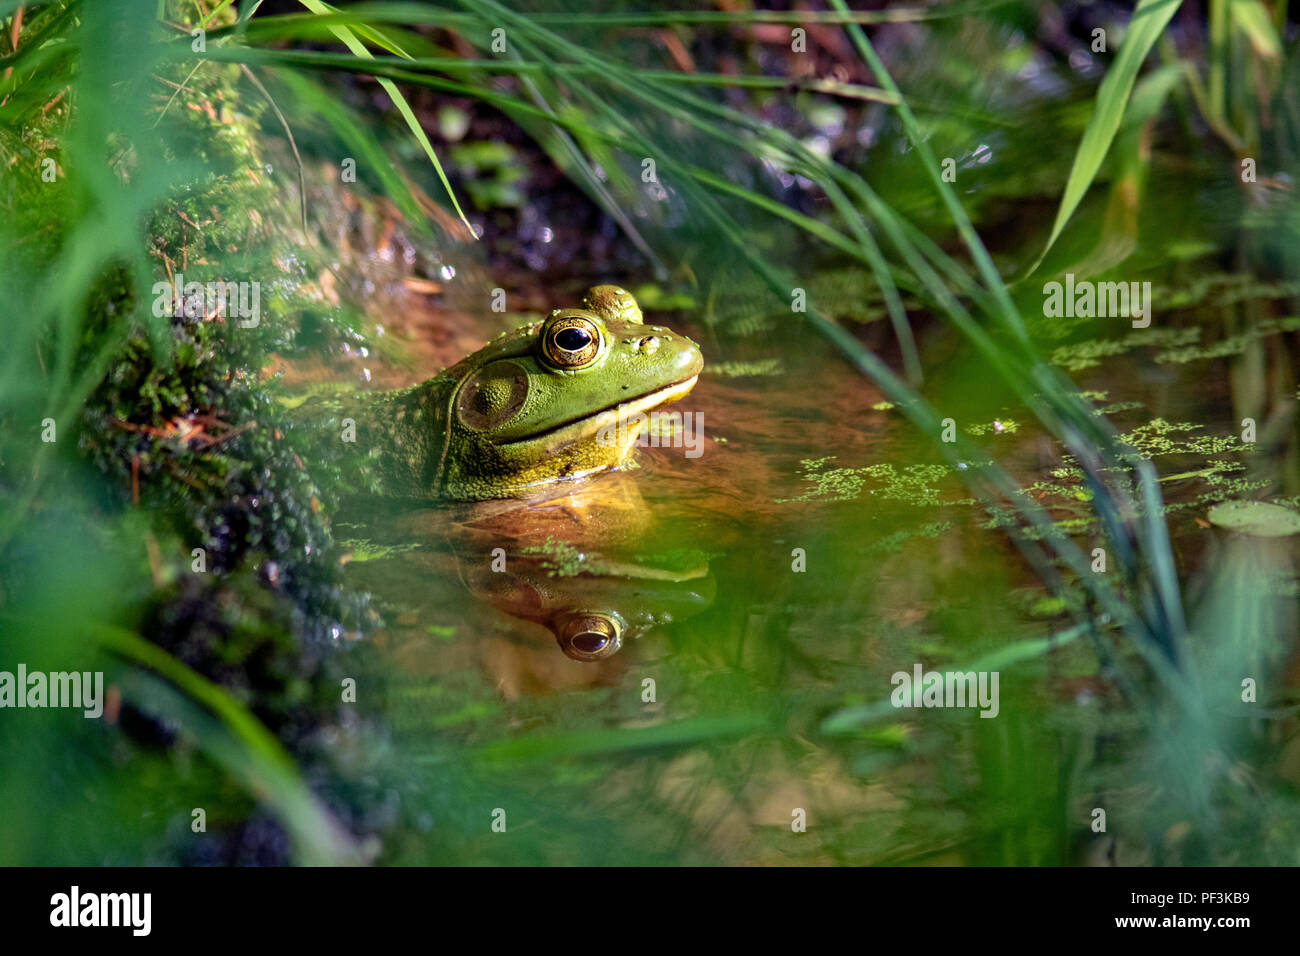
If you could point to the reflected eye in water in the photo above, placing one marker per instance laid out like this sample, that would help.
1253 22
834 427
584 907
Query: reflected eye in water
571 342
590 636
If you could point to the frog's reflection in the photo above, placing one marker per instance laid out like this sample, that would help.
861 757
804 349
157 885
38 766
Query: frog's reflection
591 565
577 564
592 612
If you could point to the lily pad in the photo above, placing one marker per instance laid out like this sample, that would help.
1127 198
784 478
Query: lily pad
1256 517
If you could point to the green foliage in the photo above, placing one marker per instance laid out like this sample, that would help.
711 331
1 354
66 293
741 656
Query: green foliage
157 170
171 436
1149 20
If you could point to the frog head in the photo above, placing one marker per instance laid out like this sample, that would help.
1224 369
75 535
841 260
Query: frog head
559 399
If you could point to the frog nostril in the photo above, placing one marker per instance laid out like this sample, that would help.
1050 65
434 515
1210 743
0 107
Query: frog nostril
648 345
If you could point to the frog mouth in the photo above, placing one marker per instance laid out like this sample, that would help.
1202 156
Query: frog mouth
645 403
622 414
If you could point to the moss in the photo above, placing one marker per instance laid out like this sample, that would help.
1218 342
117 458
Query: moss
192 431
563 560
912 484
199 442
1089 354
1115 408
894 542
361 550
1230 345
1001 426
757 368
183 428
1066 493
235 632
1160 437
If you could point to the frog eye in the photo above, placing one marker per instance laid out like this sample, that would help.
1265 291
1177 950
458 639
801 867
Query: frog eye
590 637
571 342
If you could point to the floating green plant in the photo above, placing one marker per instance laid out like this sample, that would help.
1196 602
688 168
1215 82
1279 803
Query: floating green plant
911 484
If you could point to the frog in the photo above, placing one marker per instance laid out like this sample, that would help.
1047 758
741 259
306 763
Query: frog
562 399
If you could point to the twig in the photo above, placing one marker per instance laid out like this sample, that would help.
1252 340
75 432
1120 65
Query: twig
14 29
302 181
177 92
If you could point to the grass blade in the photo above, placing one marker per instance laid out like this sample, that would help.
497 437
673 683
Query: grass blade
1149 21
257 756
359 49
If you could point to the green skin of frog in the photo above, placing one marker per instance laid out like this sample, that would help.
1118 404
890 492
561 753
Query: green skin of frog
535 406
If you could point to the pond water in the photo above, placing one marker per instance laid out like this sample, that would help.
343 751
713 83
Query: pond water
765 593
